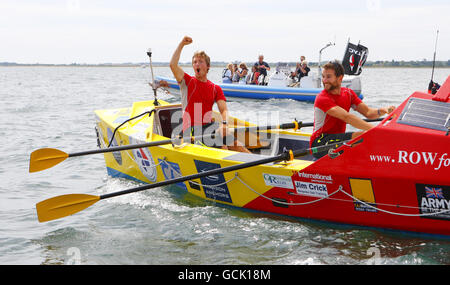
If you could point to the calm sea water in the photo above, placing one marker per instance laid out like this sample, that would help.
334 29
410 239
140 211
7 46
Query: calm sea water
53 107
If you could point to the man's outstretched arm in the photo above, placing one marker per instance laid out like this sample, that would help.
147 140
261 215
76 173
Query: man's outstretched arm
176 69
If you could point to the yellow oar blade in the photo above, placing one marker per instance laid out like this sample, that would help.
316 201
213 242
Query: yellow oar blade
45 158
64 205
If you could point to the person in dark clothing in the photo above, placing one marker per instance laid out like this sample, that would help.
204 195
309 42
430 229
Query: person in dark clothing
262 66
303 70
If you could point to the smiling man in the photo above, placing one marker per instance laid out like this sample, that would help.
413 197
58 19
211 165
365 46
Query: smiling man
332 106
198 96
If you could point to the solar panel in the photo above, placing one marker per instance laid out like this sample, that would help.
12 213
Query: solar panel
426 114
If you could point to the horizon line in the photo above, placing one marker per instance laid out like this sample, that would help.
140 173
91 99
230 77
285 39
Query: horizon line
12 63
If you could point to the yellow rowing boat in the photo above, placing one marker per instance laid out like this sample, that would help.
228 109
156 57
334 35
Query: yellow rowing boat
168 161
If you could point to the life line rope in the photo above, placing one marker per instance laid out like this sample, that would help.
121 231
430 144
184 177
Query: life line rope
394 213
340 189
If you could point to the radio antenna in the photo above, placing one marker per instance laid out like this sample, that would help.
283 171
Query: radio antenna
149 53
434 56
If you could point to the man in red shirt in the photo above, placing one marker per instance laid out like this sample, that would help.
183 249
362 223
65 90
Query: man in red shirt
331 110
198 96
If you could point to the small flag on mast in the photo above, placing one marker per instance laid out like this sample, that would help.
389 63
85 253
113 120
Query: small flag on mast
354 58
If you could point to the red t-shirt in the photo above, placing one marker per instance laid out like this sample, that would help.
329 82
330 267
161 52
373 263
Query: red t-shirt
197 99
324 123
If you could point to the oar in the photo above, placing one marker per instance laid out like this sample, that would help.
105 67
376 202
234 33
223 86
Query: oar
65 205
294 125
45 158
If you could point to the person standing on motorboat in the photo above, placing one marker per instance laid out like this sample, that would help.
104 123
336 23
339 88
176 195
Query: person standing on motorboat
331 110
198 96
262 67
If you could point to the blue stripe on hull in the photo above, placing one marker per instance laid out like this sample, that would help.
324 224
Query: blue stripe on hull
260 92
274 95
117 174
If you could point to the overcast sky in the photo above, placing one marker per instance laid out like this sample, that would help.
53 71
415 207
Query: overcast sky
99 31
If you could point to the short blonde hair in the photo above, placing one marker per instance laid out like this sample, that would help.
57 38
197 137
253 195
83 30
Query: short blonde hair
203 55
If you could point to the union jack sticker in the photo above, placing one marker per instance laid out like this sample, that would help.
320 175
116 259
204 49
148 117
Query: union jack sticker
434 201
433 192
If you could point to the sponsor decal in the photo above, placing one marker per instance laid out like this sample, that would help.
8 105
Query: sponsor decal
434 199
362 190
354 51
117 155
311 189
364 207
316 177
171 170
437 161
144 160
214 185
281 181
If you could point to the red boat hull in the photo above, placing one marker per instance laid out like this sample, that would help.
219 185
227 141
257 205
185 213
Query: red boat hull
397 178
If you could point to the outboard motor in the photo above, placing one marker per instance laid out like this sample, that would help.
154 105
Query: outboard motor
279 79
352 82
